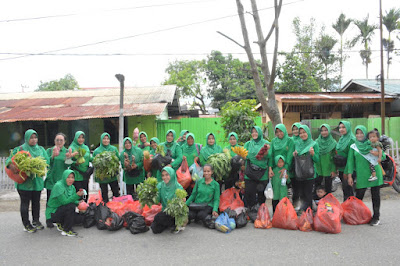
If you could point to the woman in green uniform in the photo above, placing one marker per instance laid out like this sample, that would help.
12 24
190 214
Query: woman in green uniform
233 142
144 145
82 175
31 189
295 137
234 174
166 192
132 162
182 137
326 169
112 181
343 147
358 161
295 131
154 142
191 150
61 206
306 146
172 148
256 173
211 148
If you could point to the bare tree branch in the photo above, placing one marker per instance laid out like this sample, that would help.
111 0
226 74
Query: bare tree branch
230 39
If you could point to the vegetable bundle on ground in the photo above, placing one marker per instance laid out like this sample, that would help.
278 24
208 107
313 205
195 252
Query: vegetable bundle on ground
147 192
178 209
221 163
106 165
33 167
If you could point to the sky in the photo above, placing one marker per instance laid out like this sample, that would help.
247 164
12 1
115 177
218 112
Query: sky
94 40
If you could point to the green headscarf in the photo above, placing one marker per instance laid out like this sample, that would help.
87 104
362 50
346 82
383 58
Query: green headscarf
256 145
172 143
141 145
167 191
296 138
210 149
279 157
326 144
102 148
61 187
363 146
236 137
34 150
278 143
303 146
156 140
129 152
186 149
345 139
181 135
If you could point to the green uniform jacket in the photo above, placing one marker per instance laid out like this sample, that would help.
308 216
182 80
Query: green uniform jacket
138 153
286 152
253 147
176 151
57 167
326 166
208 150
166 192
100 150
203 193
279 191
88 158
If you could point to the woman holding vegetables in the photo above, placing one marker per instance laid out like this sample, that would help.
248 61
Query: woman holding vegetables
172 149
234 174
209 149
144 145
81 157
31 189
109 180
154 142
132 162
191 150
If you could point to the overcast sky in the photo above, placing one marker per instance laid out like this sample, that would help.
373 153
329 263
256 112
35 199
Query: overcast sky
149 34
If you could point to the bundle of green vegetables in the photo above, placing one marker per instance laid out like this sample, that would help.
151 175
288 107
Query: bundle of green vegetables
160 150
106 165
221 163
147 192
178 209
34 167
79 157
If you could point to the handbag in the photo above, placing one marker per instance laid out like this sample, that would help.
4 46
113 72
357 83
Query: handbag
253 171
133 172
339 160
197 206
86 174
304 167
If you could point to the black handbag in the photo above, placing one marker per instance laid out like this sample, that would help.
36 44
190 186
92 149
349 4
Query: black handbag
197 206
133 172
254 172
86 174
339 160
304 167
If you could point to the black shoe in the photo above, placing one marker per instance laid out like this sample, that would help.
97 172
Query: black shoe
38 225
49 224
374 222
29 228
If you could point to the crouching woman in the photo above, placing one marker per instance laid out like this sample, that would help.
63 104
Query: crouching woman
61 206
166 192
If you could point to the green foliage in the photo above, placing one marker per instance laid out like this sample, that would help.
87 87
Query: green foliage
80 156
239 117
177 208
221 163
30 166
147 192
63 84
106 165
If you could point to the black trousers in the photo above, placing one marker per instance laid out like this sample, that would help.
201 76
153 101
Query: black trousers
295 189
254 192
274 204
48 191
67 217
200 215
306 193
84 185
327 180
130 189
161 222
114 188
376 199
347 190
232 179
26 197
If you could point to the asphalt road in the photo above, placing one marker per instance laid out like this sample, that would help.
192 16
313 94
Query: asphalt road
355 245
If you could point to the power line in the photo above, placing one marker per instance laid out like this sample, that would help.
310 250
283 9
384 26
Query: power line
139 34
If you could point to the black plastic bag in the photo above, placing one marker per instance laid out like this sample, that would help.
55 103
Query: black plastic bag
241 220
114 222
102 212
303 167
252 213
159 161
209 222
128 217
231 213
89 219
137 225
236 163
339 160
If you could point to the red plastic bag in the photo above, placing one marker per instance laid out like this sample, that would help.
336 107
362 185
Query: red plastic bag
329 214
133 206
82 206
117 207
230 198
19 177
147 163
150 213
355 211
306 221
263 220
123 199
184 177
285 216
95 198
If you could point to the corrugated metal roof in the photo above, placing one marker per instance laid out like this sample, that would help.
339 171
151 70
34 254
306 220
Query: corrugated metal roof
84 104
330 97
392 86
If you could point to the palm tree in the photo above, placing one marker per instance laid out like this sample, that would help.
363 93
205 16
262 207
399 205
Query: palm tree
340 27
366 33
324 45
391 21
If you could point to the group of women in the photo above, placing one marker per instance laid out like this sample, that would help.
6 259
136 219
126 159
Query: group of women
67 180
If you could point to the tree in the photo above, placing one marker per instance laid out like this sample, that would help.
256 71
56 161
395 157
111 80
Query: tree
190 81
391 22
269 106
63 84
340 27
239 117
365 35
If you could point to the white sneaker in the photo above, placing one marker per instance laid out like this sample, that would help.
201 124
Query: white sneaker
372 178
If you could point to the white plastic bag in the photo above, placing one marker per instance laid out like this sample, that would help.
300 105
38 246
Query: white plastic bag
268 192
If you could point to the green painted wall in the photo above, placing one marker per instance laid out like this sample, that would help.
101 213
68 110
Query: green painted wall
143 123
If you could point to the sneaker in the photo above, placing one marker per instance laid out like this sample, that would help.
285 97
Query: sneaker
30 229
69 233
374 222
178 230
59 227
372 178
38 225
49 224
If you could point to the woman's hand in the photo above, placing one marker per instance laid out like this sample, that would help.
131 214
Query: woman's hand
281 172
183 157
350 180
13 168
215 214
79 193
333 175
295 153
312 152
196 159
148 174
270 172
374 153
134 165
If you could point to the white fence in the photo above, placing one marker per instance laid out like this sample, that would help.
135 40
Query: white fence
394 152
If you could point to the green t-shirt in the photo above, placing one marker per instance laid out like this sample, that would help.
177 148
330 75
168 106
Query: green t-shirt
205 193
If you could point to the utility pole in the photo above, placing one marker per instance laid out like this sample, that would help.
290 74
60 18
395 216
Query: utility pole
382 75
121 80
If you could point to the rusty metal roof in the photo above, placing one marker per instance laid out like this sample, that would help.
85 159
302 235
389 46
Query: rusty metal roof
84 104
331 97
